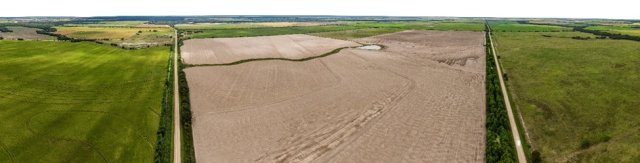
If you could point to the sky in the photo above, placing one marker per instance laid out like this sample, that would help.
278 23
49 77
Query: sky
613 9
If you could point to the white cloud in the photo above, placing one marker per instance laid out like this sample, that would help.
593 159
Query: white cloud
467 8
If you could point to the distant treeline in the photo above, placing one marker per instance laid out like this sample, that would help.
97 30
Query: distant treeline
607 34
5 29
583 28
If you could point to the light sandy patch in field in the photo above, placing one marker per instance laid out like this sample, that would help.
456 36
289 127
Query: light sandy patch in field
249 25
25 33
153 26
97 32
228 50
459 49
353 106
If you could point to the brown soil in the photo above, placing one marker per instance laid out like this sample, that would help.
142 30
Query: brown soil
227 50
399 104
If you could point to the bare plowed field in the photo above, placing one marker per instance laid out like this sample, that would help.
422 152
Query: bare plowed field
228 50
400 104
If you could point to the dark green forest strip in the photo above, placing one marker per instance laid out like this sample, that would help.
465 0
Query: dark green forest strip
163 153
188 153
607 34
500 145
583 28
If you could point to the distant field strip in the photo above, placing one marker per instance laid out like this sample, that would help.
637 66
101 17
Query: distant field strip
370 29
121 36
79 102
512 26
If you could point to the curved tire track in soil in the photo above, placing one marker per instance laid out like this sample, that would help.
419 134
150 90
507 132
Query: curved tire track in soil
251 107
305 151
410 89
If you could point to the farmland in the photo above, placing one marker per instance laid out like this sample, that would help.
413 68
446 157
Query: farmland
618 29
377 28
230 50
122 36
248 25
372 28
24 33
79 102
512 26
578 97
354 105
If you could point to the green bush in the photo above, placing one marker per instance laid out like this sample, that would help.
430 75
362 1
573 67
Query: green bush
500 146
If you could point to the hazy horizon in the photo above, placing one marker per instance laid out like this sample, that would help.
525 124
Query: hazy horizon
589 9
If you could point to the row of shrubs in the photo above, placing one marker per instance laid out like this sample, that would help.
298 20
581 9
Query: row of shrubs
5 29
188 153
587 38
19 39
601 34
164 149
607 34
500 145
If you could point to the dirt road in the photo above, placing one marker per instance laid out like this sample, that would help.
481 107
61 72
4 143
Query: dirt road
512 121
176 102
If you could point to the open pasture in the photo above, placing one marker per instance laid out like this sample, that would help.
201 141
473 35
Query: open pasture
578 98
79 102
632 30
419 100
513 26
370 28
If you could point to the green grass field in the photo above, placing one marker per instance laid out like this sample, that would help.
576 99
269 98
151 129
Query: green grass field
578 98
79 102
512 26
373 28
620 29
340 31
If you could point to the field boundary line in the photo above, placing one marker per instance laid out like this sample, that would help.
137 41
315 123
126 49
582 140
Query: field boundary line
335 51
514 128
